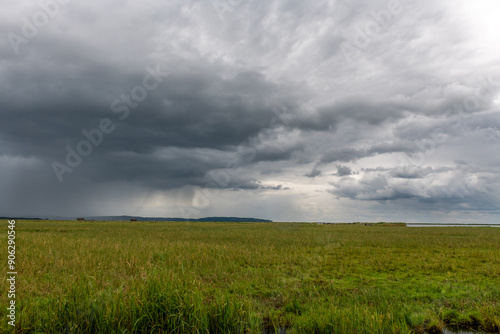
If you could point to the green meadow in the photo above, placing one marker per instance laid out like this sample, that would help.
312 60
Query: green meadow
181 277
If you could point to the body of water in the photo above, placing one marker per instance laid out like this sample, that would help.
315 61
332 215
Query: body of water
450 225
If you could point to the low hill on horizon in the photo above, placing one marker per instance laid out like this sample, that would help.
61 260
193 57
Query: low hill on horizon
140 218
205 219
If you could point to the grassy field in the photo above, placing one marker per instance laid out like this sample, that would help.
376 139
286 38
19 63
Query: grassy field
173 277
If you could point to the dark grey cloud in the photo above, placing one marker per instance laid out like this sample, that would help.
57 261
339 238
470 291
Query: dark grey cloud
344 170
444 188
313 173
351 154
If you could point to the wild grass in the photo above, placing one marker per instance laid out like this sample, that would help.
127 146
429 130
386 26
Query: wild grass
181 277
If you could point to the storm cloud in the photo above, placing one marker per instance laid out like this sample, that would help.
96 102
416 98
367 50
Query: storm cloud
287 110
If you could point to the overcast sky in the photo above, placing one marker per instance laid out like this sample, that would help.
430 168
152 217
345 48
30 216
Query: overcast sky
287 110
